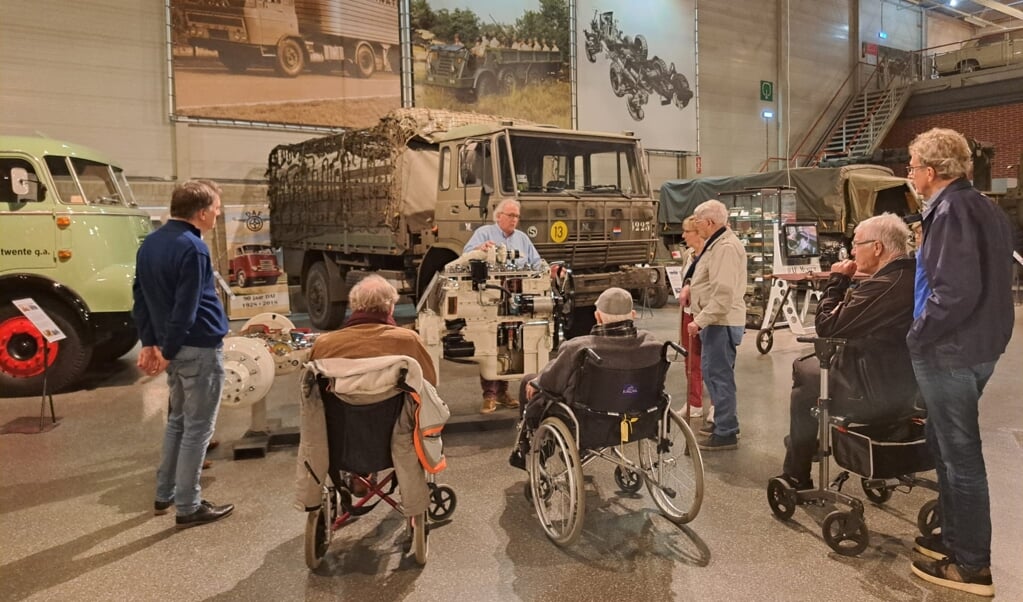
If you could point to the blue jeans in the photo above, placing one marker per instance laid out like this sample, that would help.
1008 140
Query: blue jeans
718 366
195 378
953 435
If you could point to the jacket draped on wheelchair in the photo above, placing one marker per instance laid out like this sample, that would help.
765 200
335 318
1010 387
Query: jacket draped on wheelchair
360 417
623 417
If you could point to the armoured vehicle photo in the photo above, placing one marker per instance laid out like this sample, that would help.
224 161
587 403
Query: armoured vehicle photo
402 198
473 75
633 74
71 228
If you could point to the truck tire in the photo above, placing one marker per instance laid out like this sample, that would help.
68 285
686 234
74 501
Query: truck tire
241 279
118 344
656 296
618 85
640 47
364 61
486 85
21 351
290 58
324 313
508 81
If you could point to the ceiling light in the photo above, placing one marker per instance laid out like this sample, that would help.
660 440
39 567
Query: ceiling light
953 2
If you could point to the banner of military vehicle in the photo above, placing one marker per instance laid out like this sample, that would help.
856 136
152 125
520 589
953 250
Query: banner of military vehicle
338 63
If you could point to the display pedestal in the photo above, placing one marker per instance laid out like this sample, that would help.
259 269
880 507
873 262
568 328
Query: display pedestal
263 435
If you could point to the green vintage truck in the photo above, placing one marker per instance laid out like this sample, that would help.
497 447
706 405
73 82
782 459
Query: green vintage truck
71 228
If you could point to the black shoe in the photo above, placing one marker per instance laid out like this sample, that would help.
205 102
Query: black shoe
949 574
517 459
160 508
718 443
797 484
932 546
708 429
207 513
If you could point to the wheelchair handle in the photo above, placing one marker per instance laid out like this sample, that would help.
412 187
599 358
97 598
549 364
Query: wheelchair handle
593 355
675 346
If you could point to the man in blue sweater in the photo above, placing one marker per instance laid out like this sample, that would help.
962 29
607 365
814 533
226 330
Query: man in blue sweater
182 325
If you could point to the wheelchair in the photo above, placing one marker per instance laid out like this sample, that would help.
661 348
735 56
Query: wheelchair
615 409
886 457
359 441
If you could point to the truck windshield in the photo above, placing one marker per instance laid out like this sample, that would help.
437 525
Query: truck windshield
571 166
84 182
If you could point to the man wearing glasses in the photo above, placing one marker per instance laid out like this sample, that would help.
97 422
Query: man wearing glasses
963 319
520 249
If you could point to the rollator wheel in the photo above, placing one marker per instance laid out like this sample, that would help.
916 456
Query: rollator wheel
420 535
675 466
878 495
317 538
765 340
556 477
442 502
928 521
781 497
628 481
844 534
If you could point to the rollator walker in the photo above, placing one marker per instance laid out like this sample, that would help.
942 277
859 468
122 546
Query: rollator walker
885 456
625 418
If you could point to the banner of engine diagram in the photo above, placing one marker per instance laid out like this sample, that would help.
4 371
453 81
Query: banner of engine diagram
499 57
636 70
329 63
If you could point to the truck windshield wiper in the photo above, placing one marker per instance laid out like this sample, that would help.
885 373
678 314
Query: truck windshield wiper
608 188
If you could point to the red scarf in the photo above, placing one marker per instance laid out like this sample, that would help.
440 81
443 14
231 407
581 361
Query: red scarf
369 317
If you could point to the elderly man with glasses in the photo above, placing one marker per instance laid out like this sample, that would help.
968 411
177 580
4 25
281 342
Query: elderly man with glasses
872 378
963 318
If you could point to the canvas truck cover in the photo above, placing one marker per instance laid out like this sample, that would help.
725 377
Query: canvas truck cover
820 193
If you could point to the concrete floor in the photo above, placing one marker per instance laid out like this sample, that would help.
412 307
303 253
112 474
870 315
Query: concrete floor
76 511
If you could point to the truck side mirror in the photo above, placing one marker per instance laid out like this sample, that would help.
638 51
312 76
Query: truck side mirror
24 186
468 157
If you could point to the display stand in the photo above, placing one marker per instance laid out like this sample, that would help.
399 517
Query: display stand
51 333
46 391
794 291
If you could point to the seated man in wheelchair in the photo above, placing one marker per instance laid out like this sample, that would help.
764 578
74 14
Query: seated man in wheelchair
614 338
872 377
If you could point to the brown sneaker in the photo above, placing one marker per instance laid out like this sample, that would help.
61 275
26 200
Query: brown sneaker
507 401
489 404
949 574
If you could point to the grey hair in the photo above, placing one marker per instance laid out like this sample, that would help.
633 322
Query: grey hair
713 211
503 205
889 230
374 294
945 151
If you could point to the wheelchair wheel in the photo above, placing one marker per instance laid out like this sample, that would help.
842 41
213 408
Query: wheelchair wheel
420 537
845 534
442 502
556 477
928 521
628 481
317 538
676 469
781 497
878 495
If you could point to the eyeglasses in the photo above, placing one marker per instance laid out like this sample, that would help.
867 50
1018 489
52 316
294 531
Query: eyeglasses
511 215
862 242
911 168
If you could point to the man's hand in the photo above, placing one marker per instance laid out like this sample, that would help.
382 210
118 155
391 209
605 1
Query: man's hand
151 360
530 391
846 267
486 245
694 329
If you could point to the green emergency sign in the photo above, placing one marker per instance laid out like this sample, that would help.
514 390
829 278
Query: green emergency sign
766 91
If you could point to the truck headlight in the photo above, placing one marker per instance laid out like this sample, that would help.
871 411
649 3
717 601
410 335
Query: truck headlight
654 276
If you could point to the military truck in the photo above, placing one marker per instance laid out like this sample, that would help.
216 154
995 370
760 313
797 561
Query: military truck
402 198
361 35
71 229
473 75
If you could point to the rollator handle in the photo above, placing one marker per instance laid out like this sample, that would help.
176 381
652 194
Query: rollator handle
825 348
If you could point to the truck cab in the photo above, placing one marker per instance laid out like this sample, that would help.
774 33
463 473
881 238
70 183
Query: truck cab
71 230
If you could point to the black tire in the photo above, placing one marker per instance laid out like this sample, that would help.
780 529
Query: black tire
591 52
443 502
657 297
365 61
878 495
781 497
271 280
508 81
659 66
635 108
928 520
290 58
486 85
324 313
640 47
317 538
618 85
118 344
683 93
235 61
628 480
242 279
842 537
21 351
765 340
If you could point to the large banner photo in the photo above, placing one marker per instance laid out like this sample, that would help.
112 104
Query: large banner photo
636 70
499 57
331 63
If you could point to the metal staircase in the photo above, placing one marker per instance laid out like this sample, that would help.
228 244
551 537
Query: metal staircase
863 122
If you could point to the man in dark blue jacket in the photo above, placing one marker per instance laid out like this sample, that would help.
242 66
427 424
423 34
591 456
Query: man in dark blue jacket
963 319
182 325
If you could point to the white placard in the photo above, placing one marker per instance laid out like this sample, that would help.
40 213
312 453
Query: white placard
39 319
674 273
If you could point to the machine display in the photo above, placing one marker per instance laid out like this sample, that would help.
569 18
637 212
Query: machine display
801 241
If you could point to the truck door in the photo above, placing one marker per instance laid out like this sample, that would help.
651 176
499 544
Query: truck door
276 19
27 217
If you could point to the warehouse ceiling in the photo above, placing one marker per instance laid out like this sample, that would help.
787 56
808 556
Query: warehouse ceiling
985 14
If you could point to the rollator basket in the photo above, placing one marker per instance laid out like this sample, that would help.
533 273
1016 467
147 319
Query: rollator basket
882 451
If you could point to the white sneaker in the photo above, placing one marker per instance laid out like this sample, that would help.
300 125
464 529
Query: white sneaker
709 418
693 412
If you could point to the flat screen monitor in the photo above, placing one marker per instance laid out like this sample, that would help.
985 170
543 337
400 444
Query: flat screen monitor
800 241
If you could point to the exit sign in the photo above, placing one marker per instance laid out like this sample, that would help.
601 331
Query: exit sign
766 91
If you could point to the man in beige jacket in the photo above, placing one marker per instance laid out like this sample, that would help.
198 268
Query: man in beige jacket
715 293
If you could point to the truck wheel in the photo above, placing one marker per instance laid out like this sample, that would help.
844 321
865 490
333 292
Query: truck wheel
21 352
618 85
365 62
235 61
434 262
486 85
657 296
508 81
272 280
118 344
639 46
290 58
242 280
683 94
324 312
635 107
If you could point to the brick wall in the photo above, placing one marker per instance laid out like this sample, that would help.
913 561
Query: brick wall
1001 127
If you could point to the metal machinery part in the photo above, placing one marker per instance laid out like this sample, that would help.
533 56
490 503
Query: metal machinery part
289 346
248 372
494 314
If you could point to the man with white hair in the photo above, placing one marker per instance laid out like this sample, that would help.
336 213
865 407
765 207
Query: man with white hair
614 338
715 294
